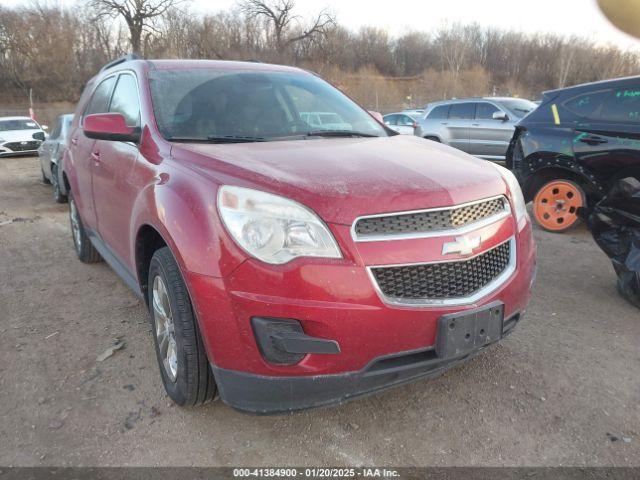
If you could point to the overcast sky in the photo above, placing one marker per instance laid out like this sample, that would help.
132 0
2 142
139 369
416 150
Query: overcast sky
565 17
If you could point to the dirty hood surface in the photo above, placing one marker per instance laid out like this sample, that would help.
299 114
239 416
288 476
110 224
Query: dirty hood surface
343 178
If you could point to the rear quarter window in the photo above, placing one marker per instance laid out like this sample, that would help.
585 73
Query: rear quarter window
439 113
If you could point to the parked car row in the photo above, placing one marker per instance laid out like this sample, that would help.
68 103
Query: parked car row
277 231
566 150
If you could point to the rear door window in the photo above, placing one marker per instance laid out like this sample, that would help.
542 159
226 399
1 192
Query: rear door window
622 105
587 104
100 100
125 100
440 112
485 111
462 111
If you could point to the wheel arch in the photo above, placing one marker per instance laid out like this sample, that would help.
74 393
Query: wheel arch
148 240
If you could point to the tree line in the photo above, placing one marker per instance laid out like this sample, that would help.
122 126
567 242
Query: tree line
52 50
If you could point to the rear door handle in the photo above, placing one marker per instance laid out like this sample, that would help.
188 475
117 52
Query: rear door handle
96 157
593 140
444 123
475 124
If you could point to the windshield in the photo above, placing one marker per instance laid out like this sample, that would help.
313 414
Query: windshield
519 106
209 105
19 124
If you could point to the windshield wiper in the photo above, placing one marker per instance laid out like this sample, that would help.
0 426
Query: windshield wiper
338 133
234 139
217 139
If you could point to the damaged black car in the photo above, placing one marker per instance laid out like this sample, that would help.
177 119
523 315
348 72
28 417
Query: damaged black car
574 147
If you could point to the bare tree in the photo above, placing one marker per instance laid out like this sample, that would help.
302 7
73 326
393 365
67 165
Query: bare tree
286 26
139 15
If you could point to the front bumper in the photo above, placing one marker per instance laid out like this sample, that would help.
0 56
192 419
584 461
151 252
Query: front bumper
270 394
8 149
381 345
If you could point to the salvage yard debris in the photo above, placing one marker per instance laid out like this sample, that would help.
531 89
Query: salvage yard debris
615 225
110 351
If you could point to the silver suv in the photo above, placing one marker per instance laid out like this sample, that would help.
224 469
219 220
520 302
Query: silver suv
479 126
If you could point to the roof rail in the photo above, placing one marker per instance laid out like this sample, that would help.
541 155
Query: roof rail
118 61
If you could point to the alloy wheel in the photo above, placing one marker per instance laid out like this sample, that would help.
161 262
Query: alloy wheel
75 225
164 329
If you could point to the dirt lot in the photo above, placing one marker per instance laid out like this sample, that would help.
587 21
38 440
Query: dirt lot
562 390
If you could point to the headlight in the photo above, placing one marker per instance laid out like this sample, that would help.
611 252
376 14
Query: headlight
274 229
515 195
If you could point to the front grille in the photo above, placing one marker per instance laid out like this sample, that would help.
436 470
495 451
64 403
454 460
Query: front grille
22 146
446 280
429 220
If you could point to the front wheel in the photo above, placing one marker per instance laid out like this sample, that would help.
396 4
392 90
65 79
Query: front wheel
556 204
184 366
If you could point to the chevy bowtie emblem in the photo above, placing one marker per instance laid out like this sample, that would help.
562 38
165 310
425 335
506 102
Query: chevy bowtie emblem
461 245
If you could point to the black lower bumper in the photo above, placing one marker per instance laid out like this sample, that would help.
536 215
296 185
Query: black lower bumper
265 394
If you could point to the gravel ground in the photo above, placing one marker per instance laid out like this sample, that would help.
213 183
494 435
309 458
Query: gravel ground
562 390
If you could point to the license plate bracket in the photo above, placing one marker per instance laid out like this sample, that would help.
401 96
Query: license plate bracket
462 333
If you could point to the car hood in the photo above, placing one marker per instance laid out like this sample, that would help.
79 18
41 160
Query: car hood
344 178
18 135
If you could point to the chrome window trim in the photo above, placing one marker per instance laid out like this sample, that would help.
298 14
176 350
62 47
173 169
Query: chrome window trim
435 233
449 302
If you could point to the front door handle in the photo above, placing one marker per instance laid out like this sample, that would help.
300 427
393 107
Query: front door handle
444 123
593 140
475 124
96 157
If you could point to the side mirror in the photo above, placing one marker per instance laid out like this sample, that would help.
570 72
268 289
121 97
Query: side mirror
500 116
110 126
376 115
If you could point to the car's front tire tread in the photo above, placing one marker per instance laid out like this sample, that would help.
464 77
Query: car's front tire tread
194 384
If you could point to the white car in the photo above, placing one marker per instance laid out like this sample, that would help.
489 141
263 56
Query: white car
325 121
19 136
404 123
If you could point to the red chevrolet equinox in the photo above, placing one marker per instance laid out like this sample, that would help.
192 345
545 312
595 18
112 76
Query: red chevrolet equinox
293 251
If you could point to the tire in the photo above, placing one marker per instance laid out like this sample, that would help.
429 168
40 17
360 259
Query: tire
556 203
58 196
180 352
85 250
45 180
